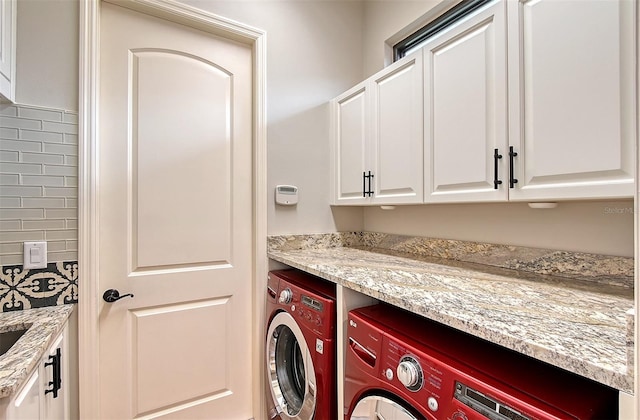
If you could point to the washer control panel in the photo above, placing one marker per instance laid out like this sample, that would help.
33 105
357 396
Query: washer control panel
413 373
410 373
285 296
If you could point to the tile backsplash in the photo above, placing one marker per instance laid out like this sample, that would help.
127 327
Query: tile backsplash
38 202
20 288
38 185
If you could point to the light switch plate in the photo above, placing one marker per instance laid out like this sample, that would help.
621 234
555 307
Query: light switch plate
35 255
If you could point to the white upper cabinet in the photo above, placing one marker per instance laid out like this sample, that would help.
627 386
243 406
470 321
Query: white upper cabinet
524 100
350 119
397 137
465 119
377 147
7 50
572 109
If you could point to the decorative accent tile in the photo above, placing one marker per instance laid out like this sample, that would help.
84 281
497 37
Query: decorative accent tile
20 288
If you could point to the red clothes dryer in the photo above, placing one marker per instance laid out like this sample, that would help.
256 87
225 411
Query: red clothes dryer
300 346
402 366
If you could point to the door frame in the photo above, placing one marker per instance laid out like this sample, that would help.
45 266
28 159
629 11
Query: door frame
89 182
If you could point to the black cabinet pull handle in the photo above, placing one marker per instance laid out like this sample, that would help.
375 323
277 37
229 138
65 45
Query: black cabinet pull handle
112 295
55 363
366 191
496 181
370 191
364 184
512 180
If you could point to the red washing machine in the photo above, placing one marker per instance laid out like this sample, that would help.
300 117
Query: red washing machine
301 346
402 366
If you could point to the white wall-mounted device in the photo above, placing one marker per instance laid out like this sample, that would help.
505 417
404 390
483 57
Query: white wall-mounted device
286 195
35 255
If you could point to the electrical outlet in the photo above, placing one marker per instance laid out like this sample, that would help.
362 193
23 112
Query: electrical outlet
35 255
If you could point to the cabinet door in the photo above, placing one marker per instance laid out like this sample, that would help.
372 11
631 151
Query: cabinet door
56 407
7 48
26 404
466 109
572 104
396 137
350 119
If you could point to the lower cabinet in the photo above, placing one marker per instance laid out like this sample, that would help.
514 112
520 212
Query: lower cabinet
45 395
26 404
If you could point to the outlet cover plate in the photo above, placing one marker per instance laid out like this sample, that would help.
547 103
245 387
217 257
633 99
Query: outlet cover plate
35 255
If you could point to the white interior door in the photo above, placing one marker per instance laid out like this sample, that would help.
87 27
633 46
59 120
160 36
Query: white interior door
175 220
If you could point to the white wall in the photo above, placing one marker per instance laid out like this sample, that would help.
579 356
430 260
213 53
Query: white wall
313 54
598 227
382 20
47 53
316 50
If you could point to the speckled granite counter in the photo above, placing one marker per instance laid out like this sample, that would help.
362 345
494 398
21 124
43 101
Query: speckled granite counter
43 325
581 326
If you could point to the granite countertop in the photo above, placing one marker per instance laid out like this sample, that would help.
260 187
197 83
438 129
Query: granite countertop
583 327
22 359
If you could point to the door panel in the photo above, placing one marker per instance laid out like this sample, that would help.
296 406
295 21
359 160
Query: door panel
397 140
26 405
175 169
460 69
465 71
572 108
351 142
180 160
162 339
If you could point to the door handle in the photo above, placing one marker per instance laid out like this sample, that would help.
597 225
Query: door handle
112 295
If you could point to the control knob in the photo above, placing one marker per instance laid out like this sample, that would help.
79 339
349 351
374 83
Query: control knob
286 296
410 373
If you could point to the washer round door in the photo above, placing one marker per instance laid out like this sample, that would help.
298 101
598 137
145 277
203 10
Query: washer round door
290 373
375 407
